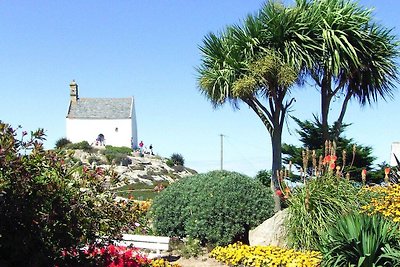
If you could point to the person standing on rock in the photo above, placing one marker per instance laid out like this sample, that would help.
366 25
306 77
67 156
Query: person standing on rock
151 149
141 147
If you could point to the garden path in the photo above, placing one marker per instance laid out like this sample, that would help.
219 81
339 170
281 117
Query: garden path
201 261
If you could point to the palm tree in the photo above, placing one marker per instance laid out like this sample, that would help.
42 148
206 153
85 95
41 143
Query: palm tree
253 63
355 58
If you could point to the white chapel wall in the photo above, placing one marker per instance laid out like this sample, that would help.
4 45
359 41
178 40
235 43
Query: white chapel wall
395 150
116 132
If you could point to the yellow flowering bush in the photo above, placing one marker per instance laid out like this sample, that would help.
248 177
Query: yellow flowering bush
384 201
239 254
163 263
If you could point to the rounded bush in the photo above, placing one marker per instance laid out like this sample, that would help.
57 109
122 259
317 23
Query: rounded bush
218 207
177 159
83 145
62 142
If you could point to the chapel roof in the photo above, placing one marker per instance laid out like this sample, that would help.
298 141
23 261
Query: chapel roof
101 108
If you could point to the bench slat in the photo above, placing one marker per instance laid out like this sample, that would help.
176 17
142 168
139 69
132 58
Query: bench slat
144 238
145 245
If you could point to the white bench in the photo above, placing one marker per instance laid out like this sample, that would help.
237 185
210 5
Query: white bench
154 243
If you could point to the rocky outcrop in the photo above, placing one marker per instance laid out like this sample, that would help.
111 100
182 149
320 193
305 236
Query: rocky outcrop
148 169
270 232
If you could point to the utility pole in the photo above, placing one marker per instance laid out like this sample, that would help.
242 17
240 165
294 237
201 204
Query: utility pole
222 151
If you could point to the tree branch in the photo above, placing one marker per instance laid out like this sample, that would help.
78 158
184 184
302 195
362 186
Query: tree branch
267 123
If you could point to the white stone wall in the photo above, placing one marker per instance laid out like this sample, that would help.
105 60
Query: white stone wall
395 150
116 132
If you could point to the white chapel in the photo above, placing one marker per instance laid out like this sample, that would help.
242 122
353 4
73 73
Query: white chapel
101 121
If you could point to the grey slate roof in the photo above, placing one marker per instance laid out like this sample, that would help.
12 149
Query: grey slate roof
101 108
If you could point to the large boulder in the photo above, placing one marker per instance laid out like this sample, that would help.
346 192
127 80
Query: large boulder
270 232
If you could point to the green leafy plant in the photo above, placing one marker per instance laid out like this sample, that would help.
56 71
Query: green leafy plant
216 207
169 163
264 177
117 155
361 240
177 159
49 206
84 145
62 142
191 247
96 160
316 206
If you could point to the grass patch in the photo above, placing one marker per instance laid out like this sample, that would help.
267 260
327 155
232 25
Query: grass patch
139 191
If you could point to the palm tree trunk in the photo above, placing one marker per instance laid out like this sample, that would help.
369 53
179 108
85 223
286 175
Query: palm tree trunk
276 142
325 103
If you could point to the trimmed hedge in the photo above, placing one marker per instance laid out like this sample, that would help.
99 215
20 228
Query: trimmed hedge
218 207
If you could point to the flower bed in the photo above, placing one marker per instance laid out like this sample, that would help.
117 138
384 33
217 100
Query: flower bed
384 201
244 255
114 256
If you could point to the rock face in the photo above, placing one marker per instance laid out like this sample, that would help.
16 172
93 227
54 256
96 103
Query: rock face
270 232
147 169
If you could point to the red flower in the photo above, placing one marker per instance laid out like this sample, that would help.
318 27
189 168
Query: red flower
387 170
332 165
279 192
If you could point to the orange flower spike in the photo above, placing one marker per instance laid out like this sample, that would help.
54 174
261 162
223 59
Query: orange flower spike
364 176
332 166
387 170
364 172
327 159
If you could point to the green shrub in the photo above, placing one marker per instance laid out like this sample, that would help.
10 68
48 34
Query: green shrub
118 149
169 163
178 159
62 142
116 155
191 247
313 208
94 159
264 177
47 206
84 145
218 207
361 240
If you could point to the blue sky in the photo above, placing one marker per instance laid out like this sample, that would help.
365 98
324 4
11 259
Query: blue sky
149 50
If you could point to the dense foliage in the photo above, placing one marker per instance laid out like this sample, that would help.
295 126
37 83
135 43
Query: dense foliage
264 177
48 206
311 137
244 255
118 155
62 142
316 206
83 145
216 207
361 240
177 159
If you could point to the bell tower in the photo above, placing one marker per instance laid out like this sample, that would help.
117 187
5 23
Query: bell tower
73 86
